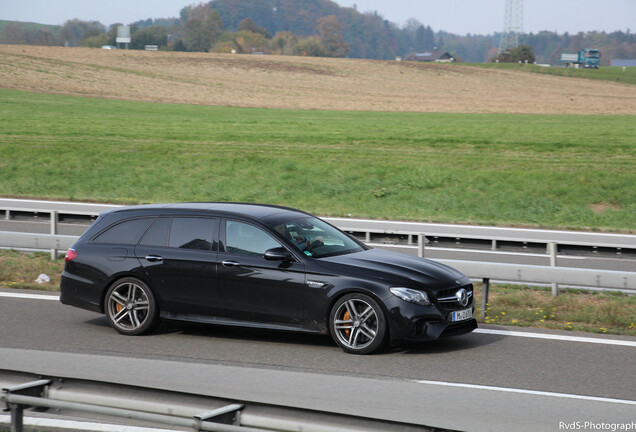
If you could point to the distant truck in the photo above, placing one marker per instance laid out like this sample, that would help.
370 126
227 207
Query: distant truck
586 58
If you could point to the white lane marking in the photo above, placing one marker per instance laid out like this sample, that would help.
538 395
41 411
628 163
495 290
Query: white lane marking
30 296
556 337
529 392
81 425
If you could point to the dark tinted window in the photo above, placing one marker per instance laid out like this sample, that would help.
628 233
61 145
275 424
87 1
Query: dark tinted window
246 239
127 232
192 233
157 235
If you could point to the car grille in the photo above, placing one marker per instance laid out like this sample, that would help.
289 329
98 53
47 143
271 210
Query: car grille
447 298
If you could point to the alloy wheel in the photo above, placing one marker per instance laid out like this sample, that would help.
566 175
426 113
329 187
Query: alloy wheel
356 324
130 307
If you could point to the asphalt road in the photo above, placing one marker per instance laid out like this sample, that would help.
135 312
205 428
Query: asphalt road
473 382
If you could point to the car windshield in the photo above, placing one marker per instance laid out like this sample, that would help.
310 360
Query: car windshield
316 238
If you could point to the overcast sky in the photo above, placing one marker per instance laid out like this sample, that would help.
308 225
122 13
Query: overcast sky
455 16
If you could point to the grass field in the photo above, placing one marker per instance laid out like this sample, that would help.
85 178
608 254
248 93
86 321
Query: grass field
529 170
605 73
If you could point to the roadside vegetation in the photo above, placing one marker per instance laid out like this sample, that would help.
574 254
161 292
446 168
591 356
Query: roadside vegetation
19 270
610 312
605 73
550 171
510 305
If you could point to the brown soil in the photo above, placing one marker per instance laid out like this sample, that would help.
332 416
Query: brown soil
603 207
303 82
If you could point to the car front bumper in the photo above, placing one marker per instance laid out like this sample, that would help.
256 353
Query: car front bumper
409 322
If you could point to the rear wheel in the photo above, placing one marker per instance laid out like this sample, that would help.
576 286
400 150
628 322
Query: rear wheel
357 324
131 307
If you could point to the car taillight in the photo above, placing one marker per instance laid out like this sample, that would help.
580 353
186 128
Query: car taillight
70 255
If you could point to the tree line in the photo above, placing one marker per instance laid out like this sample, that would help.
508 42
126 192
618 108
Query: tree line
309 27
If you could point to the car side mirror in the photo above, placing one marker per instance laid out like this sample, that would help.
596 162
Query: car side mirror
278 254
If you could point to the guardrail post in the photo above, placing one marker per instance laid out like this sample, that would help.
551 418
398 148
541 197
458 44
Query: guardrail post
485 286
54 220
421 239
34 388
17 417
552 250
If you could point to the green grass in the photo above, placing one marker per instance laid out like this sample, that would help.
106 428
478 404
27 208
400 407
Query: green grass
605 73
532 170
575 310
20 270
29 26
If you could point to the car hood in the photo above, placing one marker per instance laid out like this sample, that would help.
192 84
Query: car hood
395 269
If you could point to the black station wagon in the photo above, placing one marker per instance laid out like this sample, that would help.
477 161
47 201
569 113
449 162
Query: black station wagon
260 266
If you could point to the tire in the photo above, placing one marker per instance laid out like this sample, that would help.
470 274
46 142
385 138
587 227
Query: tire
131 307
358 324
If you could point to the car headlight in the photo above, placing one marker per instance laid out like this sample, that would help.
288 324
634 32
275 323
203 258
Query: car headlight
411 295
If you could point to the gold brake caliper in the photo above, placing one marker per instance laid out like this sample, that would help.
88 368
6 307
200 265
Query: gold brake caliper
346 317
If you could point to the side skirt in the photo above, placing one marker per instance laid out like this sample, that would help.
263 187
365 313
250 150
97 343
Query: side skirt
238 323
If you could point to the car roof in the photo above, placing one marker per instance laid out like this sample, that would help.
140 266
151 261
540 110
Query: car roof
249 210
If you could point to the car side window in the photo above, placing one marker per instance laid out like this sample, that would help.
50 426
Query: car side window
245 239
192 233
158 233
126 232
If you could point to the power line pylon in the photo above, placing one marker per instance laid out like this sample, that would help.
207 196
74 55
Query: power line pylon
513 26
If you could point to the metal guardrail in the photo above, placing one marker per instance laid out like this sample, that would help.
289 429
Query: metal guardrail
592 278
368 226
494 234
417 235
36 241
609 240
176 410
603 279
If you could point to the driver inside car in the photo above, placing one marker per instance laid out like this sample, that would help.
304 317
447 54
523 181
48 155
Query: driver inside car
301 241
304 243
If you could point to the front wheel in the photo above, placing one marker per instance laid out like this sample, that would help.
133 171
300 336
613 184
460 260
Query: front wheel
357 324
131 307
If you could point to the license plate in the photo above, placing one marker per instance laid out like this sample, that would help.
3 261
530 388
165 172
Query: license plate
461 315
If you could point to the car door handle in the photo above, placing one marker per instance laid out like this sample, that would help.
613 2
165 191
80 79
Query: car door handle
228 263
154 258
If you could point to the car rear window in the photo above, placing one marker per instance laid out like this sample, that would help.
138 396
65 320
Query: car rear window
181 232
126 232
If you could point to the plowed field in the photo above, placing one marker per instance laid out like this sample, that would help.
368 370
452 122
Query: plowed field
303 82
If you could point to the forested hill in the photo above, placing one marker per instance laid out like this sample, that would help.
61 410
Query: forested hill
369 35
309 27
